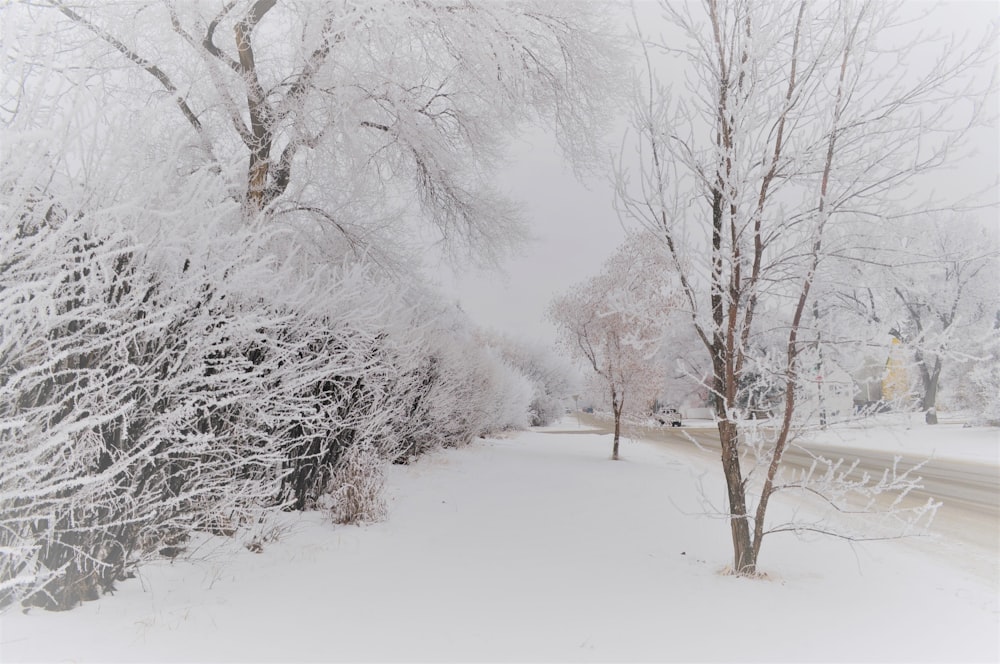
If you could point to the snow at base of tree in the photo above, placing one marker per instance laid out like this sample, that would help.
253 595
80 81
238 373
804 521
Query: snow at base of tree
586 560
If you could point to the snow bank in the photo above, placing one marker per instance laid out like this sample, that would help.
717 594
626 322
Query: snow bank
536 547
908 434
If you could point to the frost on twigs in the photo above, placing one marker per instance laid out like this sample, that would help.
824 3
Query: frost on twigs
839 498
854 504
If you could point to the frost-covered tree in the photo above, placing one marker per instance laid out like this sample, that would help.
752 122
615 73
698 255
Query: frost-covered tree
791 118
927 283
941 283
613 322
980 378
342 114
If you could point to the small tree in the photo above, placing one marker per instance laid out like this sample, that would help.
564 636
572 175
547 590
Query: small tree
613 322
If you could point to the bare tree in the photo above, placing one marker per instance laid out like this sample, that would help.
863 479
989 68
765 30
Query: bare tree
613 322
794 117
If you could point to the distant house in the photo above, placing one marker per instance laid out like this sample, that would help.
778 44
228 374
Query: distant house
881 383
896 381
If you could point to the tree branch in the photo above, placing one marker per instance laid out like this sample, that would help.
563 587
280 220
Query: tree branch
152 69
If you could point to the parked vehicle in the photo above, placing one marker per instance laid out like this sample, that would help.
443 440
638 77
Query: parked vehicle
668 416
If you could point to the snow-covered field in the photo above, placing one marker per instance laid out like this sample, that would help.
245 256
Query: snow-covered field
535 547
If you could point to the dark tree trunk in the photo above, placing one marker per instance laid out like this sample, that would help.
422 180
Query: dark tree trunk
616 409
618 420
929 376
744 560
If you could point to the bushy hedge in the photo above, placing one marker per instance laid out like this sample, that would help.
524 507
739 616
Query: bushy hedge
151 390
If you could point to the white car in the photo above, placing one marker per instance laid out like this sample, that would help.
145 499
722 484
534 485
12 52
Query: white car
667 416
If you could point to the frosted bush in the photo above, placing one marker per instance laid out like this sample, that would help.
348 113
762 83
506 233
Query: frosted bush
984 380
147 396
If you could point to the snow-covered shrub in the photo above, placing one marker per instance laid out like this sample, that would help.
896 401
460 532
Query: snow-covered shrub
122 402
145 394
137 401
510 395
977 381
69 416
456 387
553 379
479 392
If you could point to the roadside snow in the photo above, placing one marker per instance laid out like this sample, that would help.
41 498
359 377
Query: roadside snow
908 434
535 547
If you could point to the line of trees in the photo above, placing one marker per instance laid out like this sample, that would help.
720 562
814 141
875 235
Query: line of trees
929 283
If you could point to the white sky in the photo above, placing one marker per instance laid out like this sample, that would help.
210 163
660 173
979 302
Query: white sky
576 227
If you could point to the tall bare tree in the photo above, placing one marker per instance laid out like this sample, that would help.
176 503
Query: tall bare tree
794 117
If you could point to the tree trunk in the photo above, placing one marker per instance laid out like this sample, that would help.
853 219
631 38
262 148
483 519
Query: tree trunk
744 560
261 138
618 424
929 376
616 410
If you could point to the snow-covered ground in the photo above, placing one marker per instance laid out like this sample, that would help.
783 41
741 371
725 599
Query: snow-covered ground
535 547
908 434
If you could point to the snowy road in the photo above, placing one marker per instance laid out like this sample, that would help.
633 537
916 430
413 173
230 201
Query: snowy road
969 490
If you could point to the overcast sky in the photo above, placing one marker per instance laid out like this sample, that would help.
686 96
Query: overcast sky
576 228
